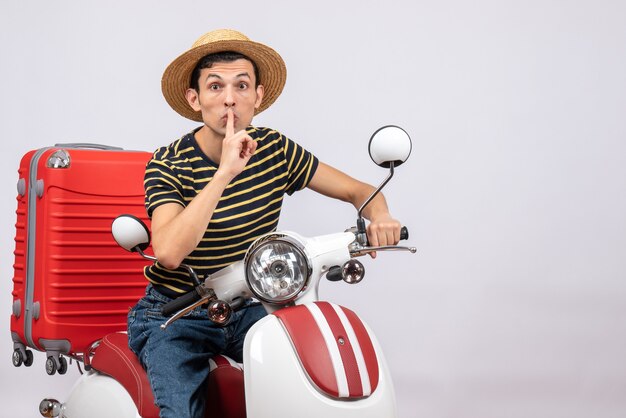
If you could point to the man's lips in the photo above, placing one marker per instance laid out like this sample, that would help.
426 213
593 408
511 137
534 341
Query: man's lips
224 119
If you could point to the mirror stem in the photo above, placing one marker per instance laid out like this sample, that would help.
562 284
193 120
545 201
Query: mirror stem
192 274
144 255
360 222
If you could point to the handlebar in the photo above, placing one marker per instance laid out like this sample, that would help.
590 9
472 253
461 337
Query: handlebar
362 235
362 246
179 303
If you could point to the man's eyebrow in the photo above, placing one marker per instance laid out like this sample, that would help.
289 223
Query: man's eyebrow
214 75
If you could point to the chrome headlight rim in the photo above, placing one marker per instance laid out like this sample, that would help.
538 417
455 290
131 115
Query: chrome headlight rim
297 246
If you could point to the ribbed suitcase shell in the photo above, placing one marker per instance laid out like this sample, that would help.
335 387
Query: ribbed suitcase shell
72 283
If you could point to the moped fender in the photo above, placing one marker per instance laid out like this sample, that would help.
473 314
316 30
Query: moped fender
280 380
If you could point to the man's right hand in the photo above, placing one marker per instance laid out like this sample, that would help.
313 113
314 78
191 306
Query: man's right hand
237 148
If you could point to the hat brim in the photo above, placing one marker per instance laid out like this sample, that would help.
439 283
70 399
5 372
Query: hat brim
175 81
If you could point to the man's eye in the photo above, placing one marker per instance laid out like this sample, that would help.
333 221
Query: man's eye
243 86
214 87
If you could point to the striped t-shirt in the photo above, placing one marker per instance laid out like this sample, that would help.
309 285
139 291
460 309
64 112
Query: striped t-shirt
249 207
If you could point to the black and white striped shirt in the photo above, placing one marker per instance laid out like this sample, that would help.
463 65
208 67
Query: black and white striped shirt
249 207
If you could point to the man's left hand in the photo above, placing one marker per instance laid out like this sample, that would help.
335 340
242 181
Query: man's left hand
383 230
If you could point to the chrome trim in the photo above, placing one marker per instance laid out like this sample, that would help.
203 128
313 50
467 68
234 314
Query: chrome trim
59 159
258 242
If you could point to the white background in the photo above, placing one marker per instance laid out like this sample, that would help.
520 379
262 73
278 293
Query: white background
515 192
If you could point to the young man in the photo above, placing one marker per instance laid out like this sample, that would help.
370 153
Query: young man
210 194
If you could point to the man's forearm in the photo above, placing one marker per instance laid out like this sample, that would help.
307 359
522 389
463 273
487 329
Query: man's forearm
176 235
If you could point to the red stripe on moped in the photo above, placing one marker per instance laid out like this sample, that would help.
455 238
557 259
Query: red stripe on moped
334 348
344 345
367 348
310 347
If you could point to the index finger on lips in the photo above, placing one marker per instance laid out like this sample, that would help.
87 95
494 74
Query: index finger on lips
230 123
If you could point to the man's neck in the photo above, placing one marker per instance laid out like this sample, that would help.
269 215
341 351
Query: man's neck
210 142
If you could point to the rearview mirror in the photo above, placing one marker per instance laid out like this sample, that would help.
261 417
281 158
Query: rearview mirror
130 233
390 144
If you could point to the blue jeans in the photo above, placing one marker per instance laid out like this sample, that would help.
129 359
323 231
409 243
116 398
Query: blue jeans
177 358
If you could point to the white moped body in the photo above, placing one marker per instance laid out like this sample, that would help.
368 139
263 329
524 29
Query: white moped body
306 358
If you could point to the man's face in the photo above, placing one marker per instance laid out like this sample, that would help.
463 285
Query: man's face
226 85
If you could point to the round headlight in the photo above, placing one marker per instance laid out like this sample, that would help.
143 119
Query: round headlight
277 269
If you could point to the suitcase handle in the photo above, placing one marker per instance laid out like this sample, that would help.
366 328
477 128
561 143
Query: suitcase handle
88 145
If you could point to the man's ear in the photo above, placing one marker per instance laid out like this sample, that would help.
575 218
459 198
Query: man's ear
193 99
259 96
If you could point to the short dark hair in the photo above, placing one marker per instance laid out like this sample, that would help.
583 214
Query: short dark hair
227 56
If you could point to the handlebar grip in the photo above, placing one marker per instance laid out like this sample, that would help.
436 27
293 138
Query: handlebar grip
404 233
179 303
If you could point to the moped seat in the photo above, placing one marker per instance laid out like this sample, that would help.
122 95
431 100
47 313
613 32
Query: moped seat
114 358
226 389
226 384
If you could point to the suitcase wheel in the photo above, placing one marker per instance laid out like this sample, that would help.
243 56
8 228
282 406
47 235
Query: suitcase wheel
28 361
17 358
51 366
63 366
56 365
20 357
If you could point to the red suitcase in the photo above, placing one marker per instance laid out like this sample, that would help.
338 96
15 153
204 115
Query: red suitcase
72 284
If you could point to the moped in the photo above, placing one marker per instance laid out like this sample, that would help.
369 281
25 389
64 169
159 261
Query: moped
306 358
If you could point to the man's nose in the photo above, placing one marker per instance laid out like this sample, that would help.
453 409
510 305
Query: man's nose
229 96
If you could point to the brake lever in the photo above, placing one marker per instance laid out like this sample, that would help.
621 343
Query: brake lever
186 310
360 250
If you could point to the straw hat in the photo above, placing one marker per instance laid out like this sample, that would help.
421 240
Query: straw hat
175 81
